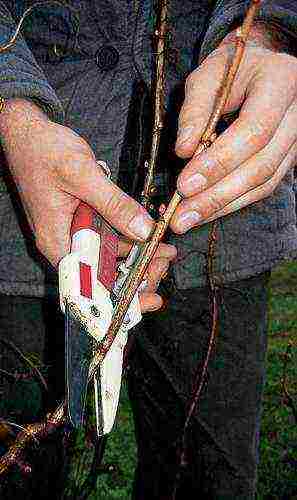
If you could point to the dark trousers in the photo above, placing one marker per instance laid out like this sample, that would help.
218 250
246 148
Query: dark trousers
36 327
221 451
167 354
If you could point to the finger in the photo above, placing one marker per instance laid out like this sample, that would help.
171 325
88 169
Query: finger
124 247
164 250
150 302
262 191
247 177
200 90
156 270
262 112
91 185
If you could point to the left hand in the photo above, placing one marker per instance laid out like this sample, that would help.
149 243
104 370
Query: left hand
149 299
247 162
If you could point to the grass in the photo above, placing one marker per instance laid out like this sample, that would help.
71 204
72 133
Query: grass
278 466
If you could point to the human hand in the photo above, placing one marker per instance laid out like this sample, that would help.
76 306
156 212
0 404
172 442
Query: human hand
54 169
247 162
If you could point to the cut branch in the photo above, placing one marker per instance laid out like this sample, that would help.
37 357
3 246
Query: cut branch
30 434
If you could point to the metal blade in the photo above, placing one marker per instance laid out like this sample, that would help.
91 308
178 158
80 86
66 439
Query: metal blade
79 351
98 404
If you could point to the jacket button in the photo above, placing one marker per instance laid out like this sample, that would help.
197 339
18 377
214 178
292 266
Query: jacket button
107 57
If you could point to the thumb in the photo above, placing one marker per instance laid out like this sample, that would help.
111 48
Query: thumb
120 210
201 90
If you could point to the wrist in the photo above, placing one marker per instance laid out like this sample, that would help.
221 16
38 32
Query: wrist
19 114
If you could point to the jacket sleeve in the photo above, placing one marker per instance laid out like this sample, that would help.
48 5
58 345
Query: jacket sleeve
230 13
20 75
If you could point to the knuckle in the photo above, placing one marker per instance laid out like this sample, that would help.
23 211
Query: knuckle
120 207
215 203
264 172
216 163
78 140
260 133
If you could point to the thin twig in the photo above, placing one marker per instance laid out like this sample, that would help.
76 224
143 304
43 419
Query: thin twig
26 360
201 376
8 374
28 12
181 453
31 433
160 34
13 424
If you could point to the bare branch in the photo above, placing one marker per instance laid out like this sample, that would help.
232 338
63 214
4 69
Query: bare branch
160 34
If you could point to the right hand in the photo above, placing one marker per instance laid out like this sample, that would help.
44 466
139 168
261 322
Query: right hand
54 169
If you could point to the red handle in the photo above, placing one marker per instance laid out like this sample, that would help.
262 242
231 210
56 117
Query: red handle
85 217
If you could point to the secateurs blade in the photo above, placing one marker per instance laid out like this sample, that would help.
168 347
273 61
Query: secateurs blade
90 286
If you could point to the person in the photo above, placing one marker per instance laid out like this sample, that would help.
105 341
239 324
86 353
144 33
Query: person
69 85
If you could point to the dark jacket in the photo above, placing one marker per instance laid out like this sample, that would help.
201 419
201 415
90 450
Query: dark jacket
81 66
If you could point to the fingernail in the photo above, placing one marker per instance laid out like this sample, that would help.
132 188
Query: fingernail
140 226
192 184
184 134
189 219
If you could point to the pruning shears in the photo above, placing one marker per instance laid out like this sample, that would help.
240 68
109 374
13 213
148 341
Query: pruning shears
90 286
